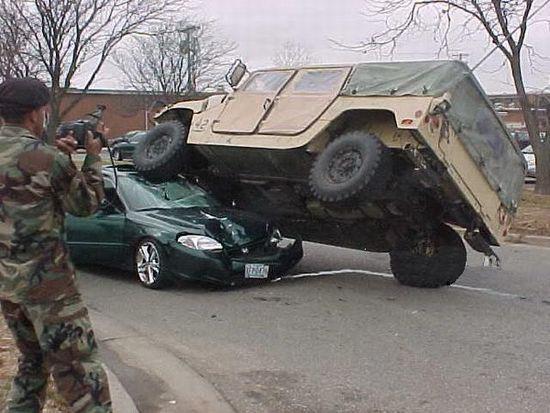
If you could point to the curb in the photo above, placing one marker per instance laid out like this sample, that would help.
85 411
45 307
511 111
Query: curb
535 240
122 402
184 389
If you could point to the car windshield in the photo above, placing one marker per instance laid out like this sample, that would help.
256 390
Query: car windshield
136 137
140 194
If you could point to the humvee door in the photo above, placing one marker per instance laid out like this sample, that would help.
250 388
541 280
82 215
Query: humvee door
303 100
245 108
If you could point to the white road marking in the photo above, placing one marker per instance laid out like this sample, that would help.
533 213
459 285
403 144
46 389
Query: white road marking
487 291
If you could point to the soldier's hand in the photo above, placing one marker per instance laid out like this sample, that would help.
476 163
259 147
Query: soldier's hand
67 144
93 146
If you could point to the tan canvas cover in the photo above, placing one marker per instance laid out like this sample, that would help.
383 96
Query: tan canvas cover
471 114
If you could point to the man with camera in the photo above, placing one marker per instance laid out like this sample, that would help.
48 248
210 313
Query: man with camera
38 293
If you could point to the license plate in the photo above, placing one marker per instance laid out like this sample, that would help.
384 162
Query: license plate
256 271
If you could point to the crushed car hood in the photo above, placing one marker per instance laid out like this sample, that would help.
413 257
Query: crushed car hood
230 227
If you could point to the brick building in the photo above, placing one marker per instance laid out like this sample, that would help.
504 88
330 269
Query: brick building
133 110
126 110
509 109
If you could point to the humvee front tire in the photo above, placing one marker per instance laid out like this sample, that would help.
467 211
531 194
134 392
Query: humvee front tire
433 262
161 154
357 164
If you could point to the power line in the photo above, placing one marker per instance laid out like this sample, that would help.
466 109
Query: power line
509 36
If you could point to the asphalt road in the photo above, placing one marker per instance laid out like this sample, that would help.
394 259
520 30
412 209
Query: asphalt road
356 341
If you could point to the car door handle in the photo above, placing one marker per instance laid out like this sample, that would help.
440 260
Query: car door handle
267 104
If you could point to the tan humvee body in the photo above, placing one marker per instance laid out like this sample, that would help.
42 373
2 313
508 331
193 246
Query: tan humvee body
280 121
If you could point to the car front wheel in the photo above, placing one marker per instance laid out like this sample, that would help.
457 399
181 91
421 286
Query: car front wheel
150 264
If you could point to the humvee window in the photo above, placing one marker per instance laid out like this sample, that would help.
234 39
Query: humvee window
319 81
268 81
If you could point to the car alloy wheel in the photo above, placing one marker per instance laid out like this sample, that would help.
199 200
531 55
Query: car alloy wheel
149 264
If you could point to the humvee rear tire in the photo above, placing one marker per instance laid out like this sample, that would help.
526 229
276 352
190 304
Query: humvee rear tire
356 164
432 263
161 154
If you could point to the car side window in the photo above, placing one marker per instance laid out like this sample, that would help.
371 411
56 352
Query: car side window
267 81
111 195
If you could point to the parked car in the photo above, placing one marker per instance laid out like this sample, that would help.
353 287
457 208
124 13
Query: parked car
176 230
379 156
530 159
124 146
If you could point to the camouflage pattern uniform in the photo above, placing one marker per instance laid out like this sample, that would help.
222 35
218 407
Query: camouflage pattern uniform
38 293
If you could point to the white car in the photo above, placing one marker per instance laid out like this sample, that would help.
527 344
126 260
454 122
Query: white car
530 159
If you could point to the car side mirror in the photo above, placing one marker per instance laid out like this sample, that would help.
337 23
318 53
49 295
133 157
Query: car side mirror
107 208
236 73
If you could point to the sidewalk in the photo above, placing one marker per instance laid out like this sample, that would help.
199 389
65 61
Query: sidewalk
160 378
172 386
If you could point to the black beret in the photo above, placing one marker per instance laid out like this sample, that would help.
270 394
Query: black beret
24 93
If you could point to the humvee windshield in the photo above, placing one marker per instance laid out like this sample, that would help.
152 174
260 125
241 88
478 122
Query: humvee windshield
268 81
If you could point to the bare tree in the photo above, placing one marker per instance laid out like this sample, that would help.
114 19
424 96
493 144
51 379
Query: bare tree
15 57
70 38
176 59
505 23
292 54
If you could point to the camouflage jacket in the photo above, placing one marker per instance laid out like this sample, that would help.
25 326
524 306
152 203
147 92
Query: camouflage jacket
38 184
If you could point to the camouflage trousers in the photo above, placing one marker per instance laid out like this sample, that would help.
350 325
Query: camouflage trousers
55 338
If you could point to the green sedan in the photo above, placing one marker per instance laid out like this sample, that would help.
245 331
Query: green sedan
177 230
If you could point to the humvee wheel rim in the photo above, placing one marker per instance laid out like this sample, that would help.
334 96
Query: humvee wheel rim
425 248
345 165
158 146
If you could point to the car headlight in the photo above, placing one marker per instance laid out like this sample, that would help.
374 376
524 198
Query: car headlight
200 242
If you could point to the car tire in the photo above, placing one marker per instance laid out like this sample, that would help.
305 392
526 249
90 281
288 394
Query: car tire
150 264
355 165
161 154
434 262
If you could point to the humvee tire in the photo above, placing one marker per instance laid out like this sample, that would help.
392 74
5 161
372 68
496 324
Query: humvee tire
355 164
161 154
438 262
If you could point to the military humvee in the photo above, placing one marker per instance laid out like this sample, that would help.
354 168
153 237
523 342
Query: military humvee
376 156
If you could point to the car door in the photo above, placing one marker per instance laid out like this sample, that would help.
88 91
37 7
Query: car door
246 107
99 238
303 100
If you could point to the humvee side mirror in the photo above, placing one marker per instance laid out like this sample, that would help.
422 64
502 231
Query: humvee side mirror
236 73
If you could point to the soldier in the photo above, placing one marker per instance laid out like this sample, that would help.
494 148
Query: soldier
38 294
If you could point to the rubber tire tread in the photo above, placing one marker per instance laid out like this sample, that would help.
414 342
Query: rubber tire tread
369 181
171 162
441 269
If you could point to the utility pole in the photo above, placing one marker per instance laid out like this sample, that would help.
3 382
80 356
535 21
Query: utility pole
461 56
191 50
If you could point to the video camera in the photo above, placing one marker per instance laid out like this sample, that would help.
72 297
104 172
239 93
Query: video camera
81 127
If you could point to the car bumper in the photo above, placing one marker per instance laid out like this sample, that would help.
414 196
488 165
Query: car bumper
218 268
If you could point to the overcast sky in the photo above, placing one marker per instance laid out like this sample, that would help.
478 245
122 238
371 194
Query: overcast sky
260 27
